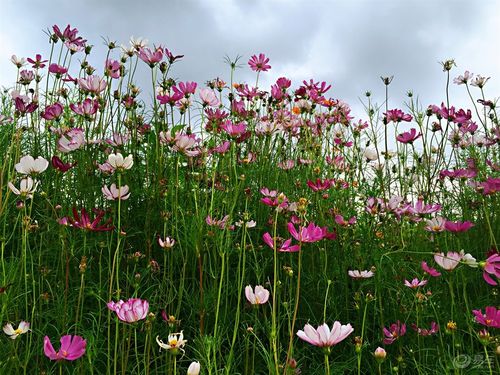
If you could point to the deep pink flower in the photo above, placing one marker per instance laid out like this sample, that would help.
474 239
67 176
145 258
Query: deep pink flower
187 88
320 185
259 64
396 115
113 68
311 233
69 35
234 130
408 137
37 62
61 166
72 347
339 219
52 112
323 336
457 226
395 331
429 270
84 221
57 69
171 57
283 246
491 267
24 107
426 332
87 108
491 318
131 311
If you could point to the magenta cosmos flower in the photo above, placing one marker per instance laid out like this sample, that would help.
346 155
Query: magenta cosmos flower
72 347
311 233
131 311
323 336
457 226
491 267
284 246
395 331
396 115
260 63
415 283
429 270
257 296
408 137
491 318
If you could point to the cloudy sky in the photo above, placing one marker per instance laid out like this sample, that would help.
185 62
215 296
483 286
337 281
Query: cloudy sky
349 44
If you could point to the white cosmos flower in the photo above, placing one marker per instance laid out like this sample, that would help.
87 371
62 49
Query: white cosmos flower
176 342
194 368
27 187
356 274
113 193
29 165
13 333
118 162
259 296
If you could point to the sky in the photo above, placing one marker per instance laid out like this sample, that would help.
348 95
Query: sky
348 44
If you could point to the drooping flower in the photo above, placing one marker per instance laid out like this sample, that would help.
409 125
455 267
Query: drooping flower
118 162
283 246
14 333
72 347
131 311
395 331
31 166
323 336
356 274
27 188
429 270
260 63
448 261
84 221
257 296
415 283
113 193
491 317
176 342
491 267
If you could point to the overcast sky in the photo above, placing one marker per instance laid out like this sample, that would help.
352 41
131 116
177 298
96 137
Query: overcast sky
349 44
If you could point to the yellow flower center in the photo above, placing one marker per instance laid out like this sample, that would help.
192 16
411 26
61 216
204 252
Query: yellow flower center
18 331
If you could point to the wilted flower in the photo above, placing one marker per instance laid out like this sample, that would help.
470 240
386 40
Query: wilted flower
258 297
114 193
72 347
426 332
29 165
14 333
176 342
323 336
131 311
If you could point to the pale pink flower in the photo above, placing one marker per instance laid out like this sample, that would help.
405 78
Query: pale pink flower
131 311
117 161
323 336
259 296
27 187
415 283
71 140
113 193
208 97
167 243
356 274
92 84
14 333
31 166
448 261
194 368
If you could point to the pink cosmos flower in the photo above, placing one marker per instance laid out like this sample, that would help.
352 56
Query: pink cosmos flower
187 88
71 140
25 106
448 261
323 336
69 35
113 193
457 226
408 137
87 108
259 296
491 318
426 332
234 130
415 283
396 115
395 331
61 166
320 185
208 98
428 270
149 57
460 80
311 233
84 221
52 112
166 243
92 84
37 62
260 63
283 246
131 311
435 225
57 69
170 98
72 347
339 219
491 267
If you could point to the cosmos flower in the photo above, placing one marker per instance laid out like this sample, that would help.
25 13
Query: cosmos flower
14 333
356 274
491 317
448 261
113 193
260 63
29 165
175 341
415 283
323 336
395 331
257 296
72 347
131 311
27 188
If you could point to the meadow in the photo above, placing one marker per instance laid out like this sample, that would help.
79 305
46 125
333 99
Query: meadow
229 228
